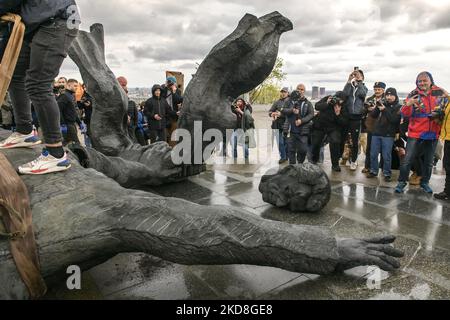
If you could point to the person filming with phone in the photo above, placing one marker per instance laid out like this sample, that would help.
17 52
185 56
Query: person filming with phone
422 107
356 92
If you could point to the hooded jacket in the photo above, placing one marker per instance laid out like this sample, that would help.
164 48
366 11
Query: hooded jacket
356 97
156 105
388 121
306 115
327 120
421 125
36 12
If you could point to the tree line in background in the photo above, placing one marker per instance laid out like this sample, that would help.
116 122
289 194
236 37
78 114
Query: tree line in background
269 90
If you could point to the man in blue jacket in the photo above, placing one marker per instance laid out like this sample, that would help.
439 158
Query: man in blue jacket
51 26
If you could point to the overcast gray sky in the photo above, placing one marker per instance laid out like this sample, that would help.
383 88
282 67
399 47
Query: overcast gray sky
390 40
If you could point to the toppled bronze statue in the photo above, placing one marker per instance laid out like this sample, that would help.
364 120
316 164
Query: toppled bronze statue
83 217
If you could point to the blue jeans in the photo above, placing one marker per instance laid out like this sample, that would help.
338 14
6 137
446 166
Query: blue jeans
381 145
429 148
234 142
282 144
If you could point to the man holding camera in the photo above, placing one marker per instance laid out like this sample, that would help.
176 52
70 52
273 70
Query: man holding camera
299 116
369 122
329 122
276 112
356 92
387 115
51 26
422 107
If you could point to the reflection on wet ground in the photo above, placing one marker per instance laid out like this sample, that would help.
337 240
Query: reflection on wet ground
358 208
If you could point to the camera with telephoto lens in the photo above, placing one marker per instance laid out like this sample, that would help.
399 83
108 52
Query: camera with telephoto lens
334 101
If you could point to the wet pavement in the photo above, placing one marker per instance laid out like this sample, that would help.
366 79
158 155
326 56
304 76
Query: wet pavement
359 207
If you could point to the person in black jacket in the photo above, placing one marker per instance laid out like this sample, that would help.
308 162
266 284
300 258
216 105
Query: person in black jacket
299 116
278 119
157 111
69 115
387 113
244 122
174 98
329 123
50 28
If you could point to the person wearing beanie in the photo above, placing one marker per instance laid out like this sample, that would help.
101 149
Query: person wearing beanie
423 130
368 122
329 122
356 92
278 119
387 121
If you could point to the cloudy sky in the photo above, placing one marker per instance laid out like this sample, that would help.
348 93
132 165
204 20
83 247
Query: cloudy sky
391 40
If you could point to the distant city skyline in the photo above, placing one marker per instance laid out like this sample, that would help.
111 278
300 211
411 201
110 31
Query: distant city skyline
391 41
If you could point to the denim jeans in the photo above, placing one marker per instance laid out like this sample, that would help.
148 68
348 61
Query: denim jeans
234 144
38 65
282 144
384 146
412 147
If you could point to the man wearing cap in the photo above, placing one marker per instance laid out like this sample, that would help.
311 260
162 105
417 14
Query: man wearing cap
278 119
387 121
356 92
369 122
423 130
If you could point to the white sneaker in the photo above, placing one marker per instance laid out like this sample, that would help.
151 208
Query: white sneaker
18 140
353 166
45 163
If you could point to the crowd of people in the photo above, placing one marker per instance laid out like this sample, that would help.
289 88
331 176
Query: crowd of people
394 135
407 135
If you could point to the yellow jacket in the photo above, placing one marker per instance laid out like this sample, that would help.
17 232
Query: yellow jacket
445 131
